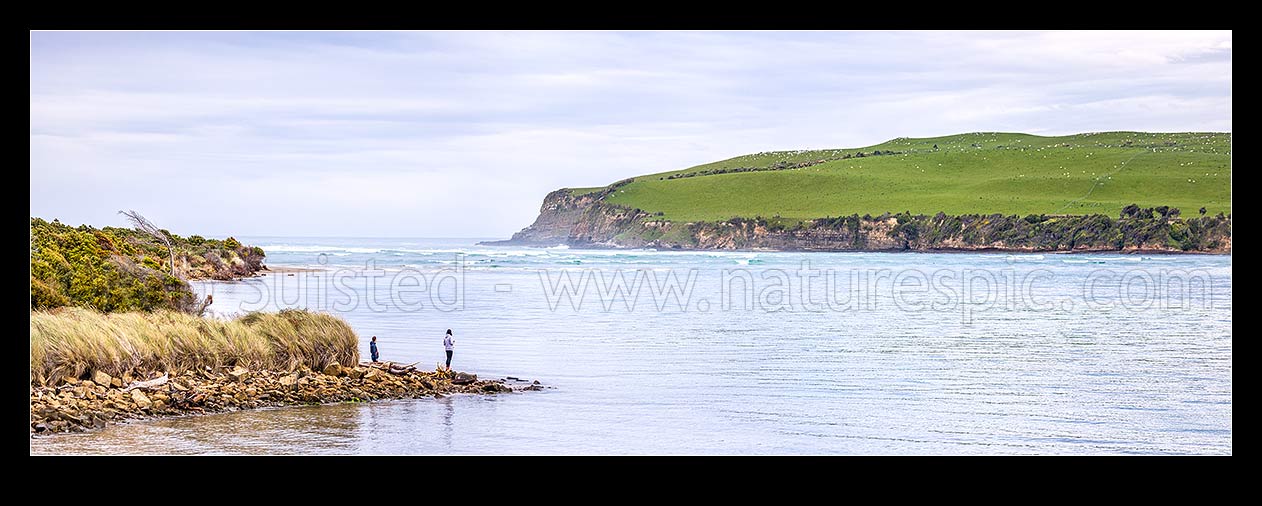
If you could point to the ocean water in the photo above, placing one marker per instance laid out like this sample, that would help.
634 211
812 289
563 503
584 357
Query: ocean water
673 352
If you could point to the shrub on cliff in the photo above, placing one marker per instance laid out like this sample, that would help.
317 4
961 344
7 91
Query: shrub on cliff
120 269
92 268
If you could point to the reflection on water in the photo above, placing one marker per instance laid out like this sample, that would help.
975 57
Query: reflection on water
349 428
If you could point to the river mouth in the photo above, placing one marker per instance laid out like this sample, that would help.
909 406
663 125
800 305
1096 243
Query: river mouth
1073 372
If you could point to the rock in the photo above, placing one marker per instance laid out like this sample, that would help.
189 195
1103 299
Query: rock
289 379
102 379
536 382
179 386
239 373
355 372
334 369
142 401
69 417
70 380
373 374
116 383
463 378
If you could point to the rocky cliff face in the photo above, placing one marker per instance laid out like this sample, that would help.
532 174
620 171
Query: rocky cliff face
587 221
576 220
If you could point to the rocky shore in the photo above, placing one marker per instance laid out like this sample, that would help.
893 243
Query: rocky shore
77 404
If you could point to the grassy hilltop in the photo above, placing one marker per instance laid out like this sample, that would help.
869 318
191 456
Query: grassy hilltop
976 173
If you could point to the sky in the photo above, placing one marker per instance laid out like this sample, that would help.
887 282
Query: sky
461 134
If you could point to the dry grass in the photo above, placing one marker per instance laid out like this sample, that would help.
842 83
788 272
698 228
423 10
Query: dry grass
75 341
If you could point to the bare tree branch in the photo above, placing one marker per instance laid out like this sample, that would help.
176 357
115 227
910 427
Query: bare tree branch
144 225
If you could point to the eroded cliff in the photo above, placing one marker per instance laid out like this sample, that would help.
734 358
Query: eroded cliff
586 220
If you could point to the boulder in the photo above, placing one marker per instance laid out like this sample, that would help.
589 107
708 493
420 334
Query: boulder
289 379
462 378
355 372
142 401
334 369
100 378
239 373
116 383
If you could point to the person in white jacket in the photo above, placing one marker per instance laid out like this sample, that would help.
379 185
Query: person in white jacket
449 343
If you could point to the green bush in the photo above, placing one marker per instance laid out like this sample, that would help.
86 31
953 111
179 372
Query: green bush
120 269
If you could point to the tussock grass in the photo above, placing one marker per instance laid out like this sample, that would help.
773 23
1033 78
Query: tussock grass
75 341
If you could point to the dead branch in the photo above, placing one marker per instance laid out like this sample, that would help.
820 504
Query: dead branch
144 225
161 380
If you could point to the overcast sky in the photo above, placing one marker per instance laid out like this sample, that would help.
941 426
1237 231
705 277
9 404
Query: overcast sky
461 134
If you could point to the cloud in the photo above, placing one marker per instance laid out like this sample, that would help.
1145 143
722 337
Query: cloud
462 133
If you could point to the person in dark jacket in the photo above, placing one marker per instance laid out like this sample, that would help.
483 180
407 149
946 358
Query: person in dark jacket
372 347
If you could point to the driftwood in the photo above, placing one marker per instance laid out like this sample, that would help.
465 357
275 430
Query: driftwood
391 367
161 380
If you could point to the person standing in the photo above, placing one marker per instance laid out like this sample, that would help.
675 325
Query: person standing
372 348
449 344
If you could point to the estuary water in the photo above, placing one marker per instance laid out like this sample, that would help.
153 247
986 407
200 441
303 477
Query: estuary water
680 352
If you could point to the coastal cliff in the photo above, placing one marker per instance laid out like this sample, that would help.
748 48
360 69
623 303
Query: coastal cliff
1097 191
577 220
587 220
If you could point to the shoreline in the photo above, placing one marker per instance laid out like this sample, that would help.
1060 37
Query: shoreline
278 270
1005 251
76 405
287 269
